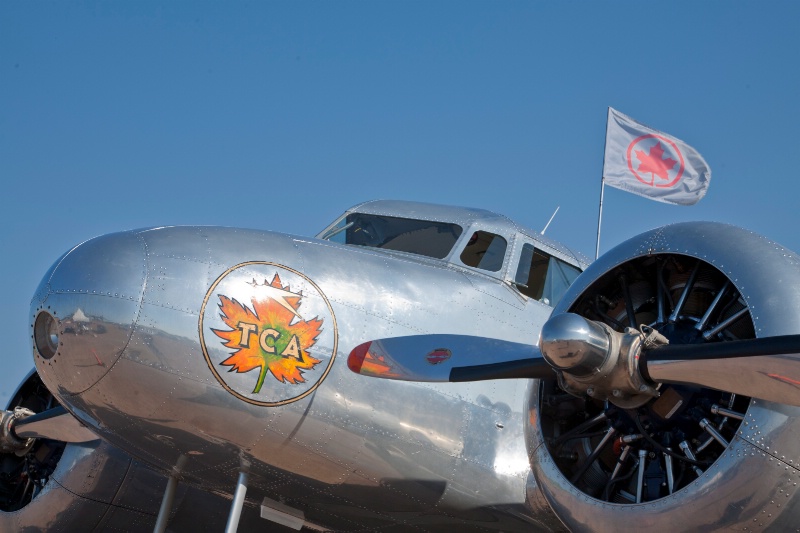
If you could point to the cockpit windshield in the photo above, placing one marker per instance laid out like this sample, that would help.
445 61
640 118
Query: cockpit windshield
422 237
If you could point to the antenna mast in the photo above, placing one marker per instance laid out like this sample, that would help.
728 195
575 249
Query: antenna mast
549 221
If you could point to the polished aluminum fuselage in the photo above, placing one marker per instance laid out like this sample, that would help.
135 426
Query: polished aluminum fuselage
141 363
132 368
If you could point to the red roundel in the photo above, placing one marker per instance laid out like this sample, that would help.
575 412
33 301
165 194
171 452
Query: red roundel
439 355
655 160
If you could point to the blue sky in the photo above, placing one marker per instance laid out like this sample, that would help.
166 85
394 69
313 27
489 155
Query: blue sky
281 115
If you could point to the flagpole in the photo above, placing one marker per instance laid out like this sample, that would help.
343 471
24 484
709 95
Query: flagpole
600 216
602 188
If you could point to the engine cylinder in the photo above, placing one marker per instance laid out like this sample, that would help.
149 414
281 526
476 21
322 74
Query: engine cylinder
677 462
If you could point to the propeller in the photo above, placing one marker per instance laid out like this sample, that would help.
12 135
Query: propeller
767 368
591 358
19 427
447 358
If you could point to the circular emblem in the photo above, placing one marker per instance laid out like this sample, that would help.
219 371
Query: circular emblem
439 355
268 333
655 161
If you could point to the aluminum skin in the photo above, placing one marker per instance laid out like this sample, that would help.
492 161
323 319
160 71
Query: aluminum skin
134 372
144 359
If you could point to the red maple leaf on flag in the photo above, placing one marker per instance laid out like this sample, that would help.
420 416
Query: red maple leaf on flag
654 163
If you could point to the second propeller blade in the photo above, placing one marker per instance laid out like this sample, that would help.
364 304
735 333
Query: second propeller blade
442 358
767 368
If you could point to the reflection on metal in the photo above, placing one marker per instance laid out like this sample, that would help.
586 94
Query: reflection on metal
717 410
701 324
166 505
670 473
687 451
711 430
590 357
161 386
761 377
56 424
282 514
660 293
10 441
362 447
237 504
169 496
570 342
724 324
623 456
686 290
640 474
442 358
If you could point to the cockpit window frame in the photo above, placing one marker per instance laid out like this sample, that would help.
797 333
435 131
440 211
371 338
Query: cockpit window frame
533 249
482 241
356 226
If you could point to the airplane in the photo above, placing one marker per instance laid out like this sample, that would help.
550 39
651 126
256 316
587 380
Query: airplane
414 367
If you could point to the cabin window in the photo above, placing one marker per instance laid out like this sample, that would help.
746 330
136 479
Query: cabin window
421 237
485 251
543 277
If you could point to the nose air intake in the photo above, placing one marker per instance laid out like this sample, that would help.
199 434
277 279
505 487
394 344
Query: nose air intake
83 315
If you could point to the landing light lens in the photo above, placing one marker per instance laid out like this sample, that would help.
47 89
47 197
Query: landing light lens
45 335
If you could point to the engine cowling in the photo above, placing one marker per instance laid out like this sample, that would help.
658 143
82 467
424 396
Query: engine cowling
57 487
54 486
691 458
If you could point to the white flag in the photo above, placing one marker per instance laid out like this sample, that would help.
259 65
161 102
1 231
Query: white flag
649 163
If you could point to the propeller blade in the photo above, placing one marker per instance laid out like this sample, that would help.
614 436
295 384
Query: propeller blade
781 345
56 424
447 358
768 368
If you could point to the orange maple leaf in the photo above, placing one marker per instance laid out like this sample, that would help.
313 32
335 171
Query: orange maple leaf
654 163
265 336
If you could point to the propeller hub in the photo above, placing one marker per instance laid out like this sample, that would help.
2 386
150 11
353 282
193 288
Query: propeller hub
591 358
9 441
571 343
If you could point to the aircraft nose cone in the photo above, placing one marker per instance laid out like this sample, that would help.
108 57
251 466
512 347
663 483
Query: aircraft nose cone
85 309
